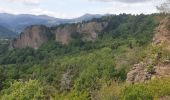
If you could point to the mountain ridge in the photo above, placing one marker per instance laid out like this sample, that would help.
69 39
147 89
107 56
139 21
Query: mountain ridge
36 35
17 23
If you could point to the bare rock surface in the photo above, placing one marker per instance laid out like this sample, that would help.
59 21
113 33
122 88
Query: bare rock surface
66 80
90 31
162 34
33 37
36 35
138 74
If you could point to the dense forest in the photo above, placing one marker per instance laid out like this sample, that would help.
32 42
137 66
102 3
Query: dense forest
84 70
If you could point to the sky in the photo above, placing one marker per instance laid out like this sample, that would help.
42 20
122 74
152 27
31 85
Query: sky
75 8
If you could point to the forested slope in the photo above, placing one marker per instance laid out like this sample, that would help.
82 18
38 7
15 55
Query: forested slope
82 70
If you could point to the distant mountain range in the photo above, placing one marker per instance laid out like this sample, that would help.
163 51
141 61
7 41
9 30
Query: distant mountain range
11 25
5 32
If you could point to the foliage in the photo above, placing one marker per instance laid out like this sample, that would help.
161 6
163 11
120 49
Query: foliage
147 91
109 91
90 68
23 91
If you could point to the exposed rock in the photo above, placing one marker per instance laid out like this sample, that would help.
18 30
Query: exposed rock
90 29
63 33
163 36
161 69
138 74
164 98
33 37
66 81
162 33
141 73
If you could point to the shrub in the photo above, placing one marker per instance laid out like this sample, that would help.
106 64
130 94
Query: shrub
147 91
30 90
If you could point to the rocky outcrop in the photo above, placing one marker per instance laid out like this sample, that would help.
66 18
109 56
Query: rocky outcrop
63 33
90 31
162 32
140 72
33 37
66 80
162 70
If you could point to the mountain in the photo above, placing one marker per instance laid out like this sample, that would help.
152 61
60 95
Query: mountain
118 57
86 17
18 23
4 32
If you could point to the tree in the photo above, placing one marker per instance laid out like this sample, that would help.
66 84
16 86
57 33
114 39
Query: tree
30 90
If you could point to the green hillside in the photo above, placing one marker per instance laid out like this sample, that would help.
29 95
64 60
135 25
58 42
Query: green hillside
83 70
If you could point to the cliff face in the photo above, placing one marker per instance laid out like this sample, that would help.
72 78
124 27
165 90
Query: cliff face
63 34
35 36
90 31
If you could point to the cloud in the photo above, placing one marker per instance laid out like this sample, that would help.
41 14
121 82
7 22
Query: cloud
7 10
131 8
60 10
125 1
35 11
27 2
39 11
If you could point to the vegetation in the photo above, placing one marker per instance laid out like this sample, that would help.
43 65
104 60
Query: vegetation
82 70
23 91
152 90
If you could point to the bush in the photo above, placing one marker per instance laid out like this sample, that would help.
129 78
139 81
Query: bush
30 90
147 91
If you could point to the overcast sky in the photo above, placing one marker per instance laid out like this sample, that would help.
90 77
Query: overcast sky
75 8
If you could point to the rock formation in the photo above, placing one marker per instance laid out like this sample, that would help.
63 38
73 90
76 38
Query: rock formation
163 33
35 36
139 72
90 31
66 80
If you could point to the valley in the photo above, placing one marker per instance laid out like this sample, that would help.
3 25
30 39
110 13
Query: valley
85 50
108 58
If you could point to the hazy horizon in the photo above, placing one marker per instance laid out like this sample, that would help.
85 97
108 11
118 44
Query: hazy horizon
76 8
